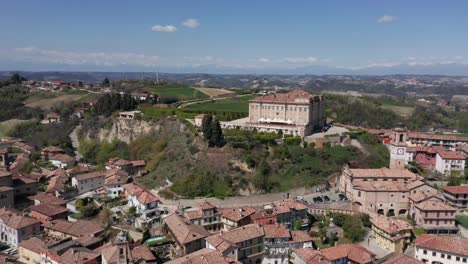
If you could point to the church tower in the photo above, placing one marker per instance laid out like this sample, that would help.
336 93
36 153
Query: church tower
398 148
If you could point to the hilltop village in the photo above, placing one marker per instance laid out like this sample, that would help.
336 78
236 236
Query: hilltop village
60 207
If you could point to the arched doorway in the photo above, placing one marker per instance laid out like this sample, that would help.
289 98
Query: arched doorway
380 211
391 212
402 212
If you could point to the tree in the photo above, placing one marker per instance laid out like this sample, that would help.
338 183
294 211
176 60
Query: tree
206 126
297 225
16 78
216 138
352 228
105 217
106 82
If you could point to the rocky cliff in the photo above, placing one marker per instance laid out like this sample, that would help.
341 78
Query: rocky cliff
127 130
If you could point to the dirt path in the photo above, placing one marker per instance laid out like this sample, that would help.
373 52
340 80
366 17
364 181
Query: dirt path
75 142
190 102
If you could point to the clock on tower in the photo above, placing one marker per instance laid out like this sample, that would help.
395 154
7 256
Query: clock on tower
398 148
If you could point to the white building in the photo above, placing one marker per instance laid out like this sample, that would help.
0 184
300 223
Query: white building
88 181
449 161
15 228
441 249
145 203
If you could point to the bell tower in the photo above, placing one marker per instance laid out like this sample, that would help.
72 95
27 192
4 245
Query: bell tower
398 148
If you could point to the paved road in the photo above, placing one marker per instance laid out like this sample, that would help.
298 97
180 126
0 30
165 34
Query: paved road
258 200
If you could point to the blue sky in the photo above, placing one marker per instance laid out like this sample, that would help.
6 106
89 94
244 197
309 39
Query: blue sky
256 36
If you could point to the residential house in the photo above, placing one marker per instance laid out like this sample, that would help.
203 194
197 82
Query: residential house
436 216
16 228
114 181
341 254
245 244
132 167
276 241
392 234
29 250
187 236
207 215
441 249
456 196
88 181
81 230
236 217
145 203
300 239
52 117
118 251
205 255
48 212
198 120
449 161
57 157
289 211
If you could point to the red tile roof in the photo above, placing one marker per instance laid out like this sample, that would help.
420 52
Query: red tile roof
143 196
380 186
204 256
276 231
47 199
390 225
16 221
453 155
237 214
299 236
355 253
457 189
143 253
33 244
76 229
48 209
443 243
435 205
182 230
382 173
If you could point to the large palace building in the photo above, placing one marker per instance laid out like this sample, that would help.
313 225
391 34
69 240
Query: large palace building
296 113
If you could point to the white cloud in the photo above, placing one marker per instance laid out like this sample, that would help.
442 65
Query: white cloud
387 19
84 58
263 60
162 28
191 23
301 59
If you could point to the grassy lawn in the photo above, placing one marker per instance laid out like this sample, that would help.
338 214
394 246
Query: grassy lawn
9 125
240 104
403 111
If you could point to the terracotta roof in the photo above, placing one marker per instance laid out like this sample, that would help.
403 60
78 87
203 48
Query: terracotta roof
57 183
118 162
78 255
138 163
420 195
402 259
76 229
299 236
16 221
47 199
53 115
111 253
419 135
276 231
294 96
53 149
237 214
4 173
143 196
457 189
390 225
193 214
221 245
307 254
415 184
453 155
353 252
57 172
204 256
65 158
184 231
90 175
6 189
48 209
207 206
243 233
434 205
382 173
33 244
380 186
285 206
443 243
143 253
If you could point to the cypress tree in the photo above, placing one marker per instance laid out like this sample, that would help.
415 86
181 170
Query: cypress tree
206 126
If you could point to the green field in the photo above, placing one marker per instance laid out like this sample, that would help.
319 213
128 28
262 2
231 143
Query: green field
403 111
240 104
182 93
